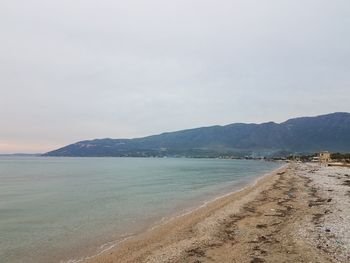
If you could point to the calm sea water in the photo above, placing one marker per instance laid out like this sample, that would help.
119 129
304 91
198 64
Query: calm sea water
54 209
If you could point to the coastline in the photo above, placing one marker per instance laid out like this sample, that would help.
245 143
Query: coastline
182 212
297 213
95 209
178 221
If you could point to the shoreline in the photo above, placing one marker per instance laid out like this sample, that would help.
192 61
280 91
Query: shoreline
166 222
163 222
297 213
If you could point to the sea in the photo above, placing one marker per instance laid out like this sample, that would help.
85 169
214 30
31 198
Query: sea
56 209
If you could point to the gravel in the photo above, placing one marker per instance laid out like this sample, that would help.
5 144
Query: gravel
328 228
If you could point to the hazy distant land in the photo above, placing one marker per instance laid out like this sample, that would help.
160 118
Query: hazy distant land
300 135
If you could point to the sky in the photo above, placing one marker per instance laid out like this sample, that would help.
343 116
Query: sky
72 70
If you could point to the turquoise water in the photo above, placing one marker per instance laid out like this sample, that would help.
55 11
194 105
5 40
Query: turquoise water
54 209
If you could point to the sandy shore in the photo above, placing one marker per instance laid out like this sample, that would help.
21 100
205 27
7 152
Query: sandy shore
297 214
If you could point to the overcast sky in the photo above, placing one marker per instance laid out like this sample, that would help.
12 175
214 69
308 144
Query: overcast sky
72 70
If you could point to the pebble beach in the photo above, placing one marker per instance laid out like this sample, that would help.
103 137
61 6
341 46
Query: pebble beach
298 213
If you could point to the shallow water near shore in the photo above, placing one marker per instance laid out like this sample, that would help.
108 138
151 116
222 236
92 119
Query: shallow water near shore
56 209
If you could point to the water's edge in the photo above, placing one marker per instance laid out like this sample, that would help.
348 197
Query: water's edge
175 215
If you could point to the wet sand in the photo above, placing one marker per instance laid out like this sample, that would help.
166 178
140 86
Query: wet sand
287 216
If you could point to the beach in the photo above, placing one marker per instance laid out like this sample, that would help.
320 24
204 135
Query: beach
298 213
65 209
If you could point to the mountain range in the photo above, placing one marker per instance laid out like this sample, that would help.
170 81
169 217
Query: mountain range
298 135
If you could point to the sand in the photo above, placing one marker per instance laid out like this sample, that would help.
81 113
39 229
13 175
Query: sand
299 213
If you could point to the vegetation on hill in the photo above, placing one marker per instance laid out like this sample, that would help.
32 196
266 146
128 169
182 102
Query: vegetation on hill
300 135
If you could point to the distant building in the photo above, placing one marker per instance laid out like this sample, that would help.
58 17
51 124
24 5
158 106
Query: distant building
315 159
324 157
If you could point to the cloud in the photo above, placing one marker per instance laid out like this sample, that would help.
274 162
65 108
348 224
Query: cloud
73 70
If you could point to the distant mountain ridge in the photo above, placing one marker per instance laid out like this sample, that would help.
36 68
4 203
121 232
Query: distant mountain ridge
299 135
